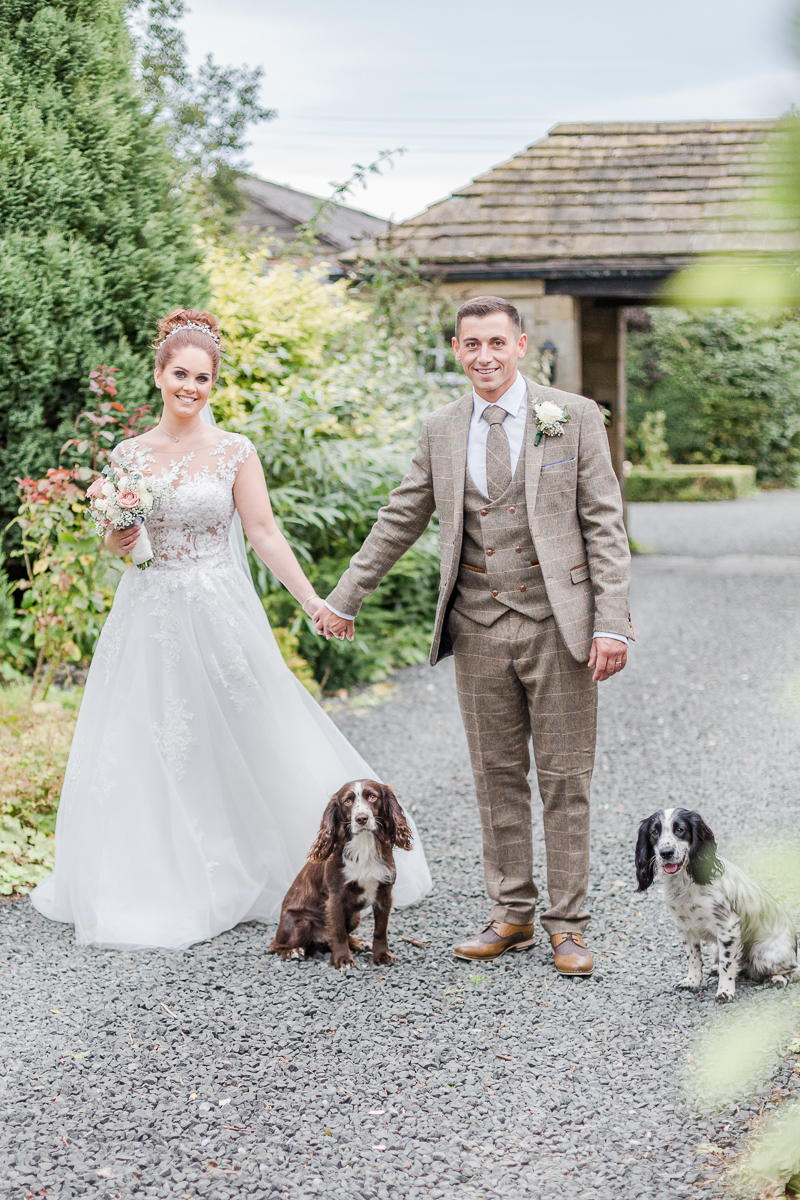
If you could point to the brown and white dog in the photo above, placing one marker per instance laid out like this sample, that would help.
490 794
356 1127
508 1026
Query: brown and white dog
350 867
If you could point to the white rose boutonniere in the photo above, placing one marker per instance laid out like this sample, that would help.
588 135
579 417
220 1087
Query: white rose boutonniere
549 419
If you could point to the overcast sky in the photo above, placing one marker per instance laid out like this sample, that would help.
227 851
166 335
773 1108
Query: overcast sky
464 86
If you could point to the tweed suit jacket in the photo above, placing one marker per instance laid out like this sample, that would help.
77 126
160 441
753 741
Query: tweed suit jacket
574 512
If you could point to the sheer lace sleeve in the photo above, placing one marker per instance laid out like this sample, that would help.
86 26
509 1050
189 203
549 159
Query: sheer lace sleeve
231 453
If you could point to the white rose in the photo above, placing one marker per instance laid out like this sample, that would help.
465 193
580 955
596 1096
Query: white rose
101 505
146 500
547 412
108 490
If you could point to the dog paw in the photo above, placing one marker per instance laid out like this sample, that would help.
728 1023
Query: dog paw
342 961
298 952
724 997
689 985
358 946
779 981
383 958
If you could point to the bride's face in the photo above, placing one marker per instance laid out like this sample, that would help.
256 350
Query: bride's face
186 382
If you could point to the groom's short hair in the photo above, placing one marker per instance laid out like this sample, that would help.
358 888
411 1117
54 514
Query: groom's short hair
482 306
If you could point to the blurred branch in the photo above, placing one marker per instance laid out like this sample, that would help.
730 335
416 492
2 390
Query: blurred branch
307 234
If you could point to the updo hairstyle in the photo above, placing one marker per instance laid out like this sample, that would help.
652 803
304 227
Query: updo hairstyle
177 331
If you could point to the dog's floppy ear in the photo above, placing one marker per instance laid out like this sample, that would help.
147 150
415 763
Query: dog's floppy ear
703 864
395 819
645 854
331 832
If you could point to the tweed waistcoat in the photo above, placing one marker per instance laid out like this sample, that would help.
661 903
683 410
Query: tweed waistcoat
497 538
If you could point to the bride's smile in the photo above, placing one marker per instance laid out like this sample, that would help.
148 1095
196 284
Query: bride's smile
185 383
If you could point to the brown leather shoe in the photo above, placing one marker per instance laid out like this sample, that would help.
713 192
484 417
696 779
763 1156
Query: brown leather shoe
494 940
571 955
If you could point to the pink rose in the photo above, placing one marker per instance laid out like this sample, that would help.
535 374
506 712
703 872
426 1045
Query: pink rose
127 499
96 488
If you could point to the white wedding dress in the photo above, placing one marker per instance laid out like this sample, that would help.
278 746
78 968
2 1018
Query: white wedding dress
200 765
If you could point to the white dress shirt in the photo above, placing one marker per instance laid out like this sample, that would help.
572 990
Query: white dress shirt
513 401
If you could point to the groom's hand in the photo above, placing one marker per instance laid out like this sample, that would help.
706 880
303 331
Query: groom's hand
330 625
608 657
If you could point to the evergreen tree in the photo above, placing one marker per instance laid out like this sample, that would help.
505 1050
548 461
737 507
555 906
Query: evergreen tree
95 237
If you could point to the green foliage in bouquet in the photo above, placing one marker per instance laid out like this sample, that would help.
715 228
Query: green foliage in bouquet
728 383
333 399
95 239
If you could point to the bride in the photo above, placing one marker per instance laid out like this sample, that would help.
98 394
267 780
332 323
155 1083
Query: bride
200 765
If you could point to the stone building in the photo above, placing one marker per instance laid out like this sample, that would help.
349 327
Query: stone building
590 220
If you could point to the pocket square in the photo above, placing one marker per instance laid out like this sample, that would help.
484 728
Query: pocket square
558 464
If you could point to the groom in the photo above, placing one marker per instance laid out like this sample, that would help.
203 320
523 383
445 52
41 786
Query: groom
533 604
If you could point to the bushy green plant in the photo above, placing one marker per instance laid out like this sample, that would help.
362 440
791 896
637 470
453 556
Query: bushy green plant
652 441
95 239
35 738
728 382
661 487
333 399
70 579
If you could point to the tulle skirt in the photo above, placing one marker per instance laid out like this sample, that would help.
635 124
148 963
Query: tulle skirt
199 770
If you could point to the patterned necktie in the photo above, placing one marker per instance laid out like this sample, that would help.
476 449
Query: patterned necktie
498 455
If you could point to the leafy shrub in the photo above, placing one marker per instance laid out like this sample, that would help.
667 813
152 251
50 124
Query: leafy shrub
34 746
652 442
70 580
656 486
95 240
728 382
333 399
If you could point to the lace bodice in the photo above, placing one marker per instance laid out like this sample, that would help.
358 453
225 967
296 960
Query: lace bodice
193 525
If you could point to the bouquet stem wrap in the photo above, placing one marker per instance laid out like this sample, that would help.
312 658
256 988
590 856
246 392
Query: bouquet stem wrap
142 553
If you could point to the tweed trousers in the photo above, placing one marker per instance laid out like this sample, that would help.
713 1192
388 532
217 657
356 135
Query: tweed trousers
517 680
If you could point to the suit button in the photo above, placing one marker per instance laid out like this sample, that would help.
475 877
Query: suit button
489 553
512 510
522 587
518 549
495 593
484 511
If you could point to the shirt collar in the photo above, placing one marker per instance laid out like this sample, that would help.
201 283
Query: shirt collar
510 400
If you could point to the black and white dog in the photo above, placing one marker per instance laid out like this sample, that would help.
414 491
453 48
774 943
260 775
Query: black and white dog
711 900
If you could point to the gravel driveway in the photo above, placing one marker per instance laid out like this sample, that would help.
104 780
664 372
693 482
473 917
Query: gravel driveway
224 1072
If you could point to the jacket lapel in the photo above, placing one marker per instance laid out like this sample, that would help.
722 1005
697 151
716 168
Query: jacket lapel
533 454
458 445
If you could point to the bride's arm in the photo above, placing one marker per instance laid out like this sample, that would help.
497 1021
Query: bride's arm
252 502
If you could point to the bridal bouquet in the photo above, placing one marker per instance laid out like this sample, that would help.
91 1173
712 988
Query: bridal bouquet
123 496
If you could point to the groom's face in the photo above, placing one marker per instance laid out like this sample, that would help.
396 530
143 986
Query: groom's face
489 349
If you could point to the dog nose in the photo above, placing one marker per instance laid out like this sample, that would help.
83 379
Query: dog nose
362 819
667 855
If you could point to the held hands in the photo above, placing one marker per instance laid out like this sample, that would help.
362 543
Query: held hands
329 625
608 657
122 541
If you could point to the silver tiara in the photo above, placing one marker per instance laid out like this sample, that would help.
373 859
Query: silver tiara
191 325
